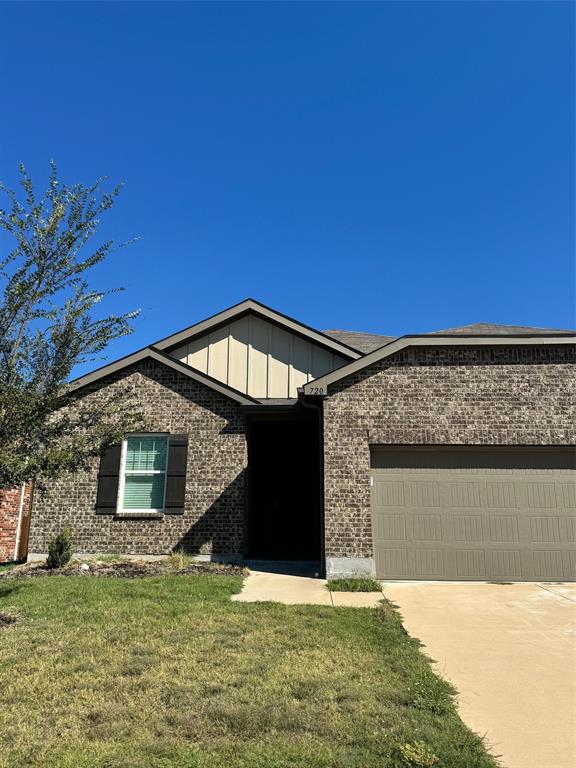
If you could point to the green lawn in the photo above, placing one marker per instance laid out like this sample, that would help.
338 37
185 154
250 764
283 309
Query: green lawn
169 673
354 584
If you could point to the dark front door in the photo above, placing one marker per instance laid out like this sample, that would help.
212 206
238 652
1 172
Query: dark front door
283 514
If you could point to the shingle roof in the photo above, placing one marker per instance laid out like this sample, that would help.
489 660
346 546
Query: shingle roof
496 329
363 342
320 385
368 342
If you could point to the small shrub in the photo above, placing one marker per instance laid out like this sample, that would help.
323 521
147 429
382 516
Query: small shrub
354 584
417 755
60 549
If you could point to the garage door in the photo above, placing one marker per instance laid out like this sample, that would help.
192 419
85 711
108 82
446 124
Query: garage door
503 514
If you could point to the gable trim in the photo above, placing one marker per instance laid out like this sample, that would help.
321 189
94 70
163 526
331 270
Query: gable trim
267 313
320 385
171 362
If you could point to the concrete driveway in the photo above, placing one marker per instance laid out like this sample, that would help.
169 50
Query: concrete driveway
510 650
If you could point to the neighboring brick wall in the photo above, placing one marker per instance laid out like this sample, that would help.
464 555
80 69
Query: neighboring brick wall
464 395
217 456
9 517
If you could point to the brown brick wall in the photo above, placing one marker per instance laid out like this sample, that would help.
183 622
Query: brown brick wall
463 395
217 455
9 517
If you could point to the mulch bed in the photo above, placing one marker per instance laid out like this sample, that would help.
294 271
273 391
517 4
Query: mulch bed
127 569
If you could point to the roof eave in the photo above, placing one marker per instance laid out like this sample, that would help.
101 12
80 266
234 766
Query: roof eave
320 385
171 362
251 305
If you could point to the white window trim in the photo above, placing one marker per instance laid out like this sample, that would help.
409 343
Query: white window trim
120 511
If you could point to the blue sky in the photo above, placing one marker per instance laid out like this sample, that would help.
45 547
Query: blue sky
388 167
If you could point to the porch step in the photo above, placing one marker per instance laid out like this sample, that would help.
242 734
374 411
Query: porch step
308 568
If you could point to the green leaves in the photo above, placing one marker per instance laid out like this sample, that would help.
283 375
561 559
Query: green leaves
48 325
60 549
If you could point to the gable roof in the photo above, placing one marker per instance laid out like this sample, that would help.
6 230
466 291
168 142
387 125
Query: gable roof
171 362
158 350
267 313
361 349
320 385
363 342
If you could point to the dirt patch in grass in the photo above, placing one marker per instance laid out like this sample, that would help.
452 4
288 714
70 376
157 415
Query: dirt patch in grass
127 569
6 620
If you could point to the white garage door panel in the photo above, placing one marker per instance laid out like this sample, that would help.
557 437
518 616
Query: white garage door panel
474 513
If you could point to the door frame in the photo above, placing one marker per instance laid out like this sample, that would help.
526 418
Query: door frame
292 412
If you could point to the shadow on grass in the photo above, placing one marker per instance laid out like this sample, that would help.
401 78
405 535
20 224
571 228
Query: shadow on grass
9 589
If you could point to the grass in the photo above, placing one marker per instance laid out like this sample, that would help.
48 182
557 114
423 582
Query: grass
108 557
169 673
7 566
354 584
179 559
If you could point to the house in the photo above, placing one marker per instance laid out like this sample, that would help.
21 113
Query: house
448 455
14 522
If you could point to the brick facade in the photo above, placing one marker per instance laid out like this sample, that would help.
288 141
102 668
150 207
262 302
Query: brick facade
12 504
217 457
451 395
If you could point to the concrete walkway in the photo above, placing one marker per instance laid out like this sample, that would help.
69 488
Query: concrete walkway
510 651
262 586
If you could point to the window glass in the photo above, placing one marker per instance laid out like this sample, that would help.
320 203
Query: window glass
144 491
145 461
146 453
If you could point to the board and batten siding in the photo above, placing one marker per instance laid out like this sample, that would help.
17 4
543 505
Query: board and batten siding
258 358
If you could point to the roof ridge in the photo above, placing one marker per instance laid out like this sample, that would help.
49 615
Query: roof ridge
268 313
346 330
510 327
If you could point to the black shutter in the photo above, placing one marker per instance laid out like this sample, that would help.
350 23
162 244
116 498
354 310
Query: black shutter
108 476
176 475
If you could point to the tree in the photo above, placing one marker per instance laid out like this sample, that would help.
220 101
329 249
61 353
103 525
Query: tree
48 325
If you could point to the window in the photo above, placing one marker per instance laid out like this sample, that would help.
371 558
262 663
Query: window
143 474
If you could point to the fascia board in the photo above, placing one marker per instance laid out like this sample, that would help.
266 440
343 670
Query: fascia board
250 305
320 385
171 362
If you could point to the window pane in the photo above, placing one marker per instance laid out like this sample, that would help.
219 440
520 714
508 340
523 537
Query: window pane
146 453
144 491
